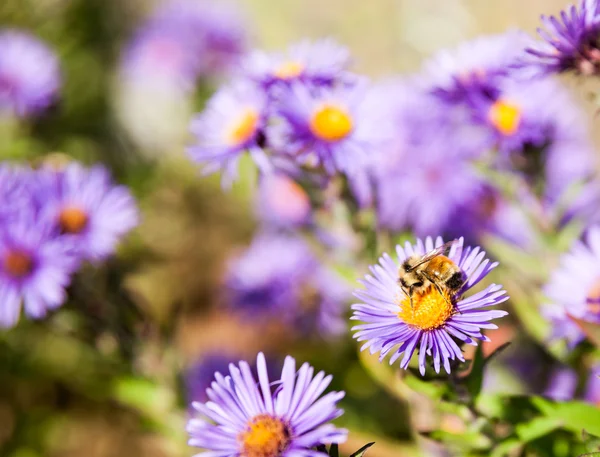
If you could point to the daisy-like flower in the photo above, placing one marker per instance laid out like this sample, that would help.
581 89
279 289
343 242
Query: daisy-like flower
436 320
35 269
279 277
335 130
318 63
570 42
248 416
232 123
85 208
283 202
29 74
574 289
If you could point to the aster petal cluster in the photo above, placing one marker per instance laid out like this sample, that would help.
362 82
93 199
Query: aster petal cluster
52 220
435 326
573 289
570 42
246 416
29 74
279 277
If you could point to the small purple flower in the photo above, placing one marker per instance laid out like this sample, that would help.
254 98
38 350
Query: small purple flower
570 42
35 269
29 74
232 123
283 202
435 320
574 289
279 277
318 63
85 208
247 416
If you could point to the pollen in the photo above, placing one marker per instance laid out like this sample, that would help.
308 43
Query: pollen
243 128
72 220
505 116
18 263
289 70
331 123
265 436
430 309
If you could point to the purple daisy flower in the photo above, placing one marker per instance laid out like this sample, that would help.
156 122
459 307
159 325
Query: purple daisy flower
574 289
86 208
16 192
232 123
336 130
435 321
35 269
295 287
570 42
29 74
246 416
283 202
319 63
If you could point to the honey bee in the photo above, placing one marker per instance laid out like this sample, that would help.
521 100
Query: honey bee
418 273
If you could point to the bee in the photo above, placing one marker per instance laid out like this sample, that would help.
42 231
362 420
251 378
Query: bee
418 273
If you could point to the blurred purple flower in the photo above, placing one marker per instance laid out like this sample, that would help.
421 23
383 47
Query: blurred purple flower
435 320
279 277
85 208
592 388
574 289
29 74
16 192
185 39
232 123
319 63
283 202
35 269
562 385
570 42
246 416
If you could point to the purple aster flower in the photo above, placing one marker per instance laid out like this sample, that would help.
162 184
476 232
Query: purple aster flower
574 289
29 74
320 63
232 123
246 416
86 208
35 269
562 385
475 68
16 192
278 276
570 42
283 202
435 321
592 387
336 130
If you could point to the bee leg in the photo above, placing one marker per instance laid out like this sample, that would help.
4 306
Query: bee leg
439 289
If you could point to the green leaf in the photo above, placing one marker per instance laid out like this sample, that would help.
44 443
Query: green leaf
506 448
537 428
362 450
334 451
574 415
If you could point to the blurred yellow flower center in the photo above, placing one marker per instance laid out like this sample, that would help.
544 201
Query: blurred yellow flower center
243 128
331 123
18 263
72 220
266 436
289 70
593 298
430 309
505 116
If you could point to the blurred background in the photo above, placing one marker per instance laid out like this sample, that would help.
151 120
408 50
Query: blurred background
113 371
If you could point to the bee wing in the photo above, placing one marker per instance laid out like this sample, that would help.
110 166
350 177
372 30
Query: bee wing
443 249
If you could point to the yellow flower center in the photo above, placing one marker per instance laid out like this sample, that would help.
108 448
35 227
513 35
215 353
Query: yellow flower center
593 298
430 309
331 123
289 70
72 220
266 436
243 128
18 263
505 116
